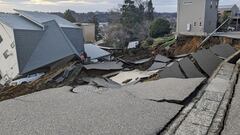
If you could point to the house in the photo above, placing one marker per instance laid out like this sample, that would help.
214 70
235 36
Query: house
230 10
30 41
88 31
197 17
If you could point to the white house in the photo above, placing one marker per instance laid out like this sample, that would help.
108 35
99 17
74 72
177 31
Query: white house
30 41
197 17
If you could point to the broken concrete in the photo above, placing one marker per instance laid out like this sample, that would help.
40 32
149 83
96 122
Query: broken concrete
129 77
207 60
207 114
105 66
142 61
157 65
190 69
173 71
165 89
58 111
101 82
223 51
233 119
160 58
95 52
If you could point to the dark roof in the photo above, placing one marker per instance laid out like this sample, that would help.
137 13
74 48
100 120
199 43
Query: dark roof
17 22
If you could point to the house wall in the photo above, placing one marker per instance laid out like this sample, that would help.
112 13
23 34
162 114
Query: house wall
26 42
75 35
234 10
89 33
9 66
211 15
195 15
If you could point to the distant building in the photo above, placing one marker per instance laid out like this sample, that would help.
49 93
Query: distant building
88 31
230 10
30 41
197 17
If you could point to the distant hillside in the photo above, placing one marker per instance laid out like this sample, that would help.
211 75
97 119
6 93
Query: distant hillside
106 16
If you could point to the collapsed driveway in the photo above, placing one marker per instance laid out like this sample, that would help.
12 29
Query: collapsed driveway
88 111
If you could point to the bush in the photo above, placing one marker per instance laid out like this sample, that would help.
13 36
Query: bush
150 41
159 27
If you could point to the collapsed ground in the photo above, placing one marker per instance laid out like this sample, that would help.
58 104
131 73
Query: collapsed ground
114 97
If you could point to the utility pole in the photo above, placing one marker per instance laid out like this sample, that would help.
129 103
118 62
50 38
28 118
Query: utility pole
206 39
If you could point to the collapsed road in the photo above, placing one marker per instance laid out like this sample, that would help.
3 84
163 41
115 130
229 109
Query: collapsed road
131 102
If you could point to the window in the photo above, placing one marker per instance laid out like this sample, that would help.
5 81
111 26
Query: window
211 5
200 24
5 54
1 39
216 3
187 3
195 23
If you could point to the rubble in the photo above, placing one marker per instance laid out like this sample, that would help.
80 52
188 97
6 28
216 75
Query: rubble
223 51
190 69
161 58
108 65
95 52
156 66
173 71
131 77
207 60
101 82
110 93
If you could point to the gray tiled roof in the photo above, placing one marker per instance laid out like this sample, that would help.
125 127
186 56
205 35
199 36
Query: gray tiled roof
17 22
49 49
41 17
225 7
94 51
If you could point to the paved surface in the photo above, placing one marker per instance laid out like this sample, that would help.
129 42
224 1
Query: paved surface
157 65
189 68
235 35
105 66
207 60
101 82
128 77
165 89
232 126
172 72
60 112
205 115
224 51
160 58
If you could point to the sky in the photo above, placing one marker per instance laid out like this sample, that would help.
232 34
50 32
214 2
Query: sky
86 5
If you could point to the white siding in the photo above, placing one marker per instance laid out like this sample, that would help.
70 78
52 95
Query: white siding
8 67
196 15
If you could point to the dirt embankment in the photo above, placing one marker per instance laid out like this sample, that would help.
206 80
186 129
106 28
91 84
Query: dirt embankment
190 44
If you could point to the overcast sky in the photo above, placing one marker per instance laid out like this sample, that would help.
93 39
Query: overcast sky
85 5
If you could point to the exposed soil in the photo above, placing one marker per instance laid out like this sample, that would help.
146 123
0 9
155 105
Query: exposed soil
191 44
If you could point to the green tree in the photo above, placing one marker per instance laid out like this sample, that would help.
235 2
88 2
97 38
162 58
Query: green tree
129 14
159 27
150 11
68 16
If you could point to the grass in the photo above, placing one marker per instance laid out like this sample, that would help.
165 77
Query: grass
161 41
